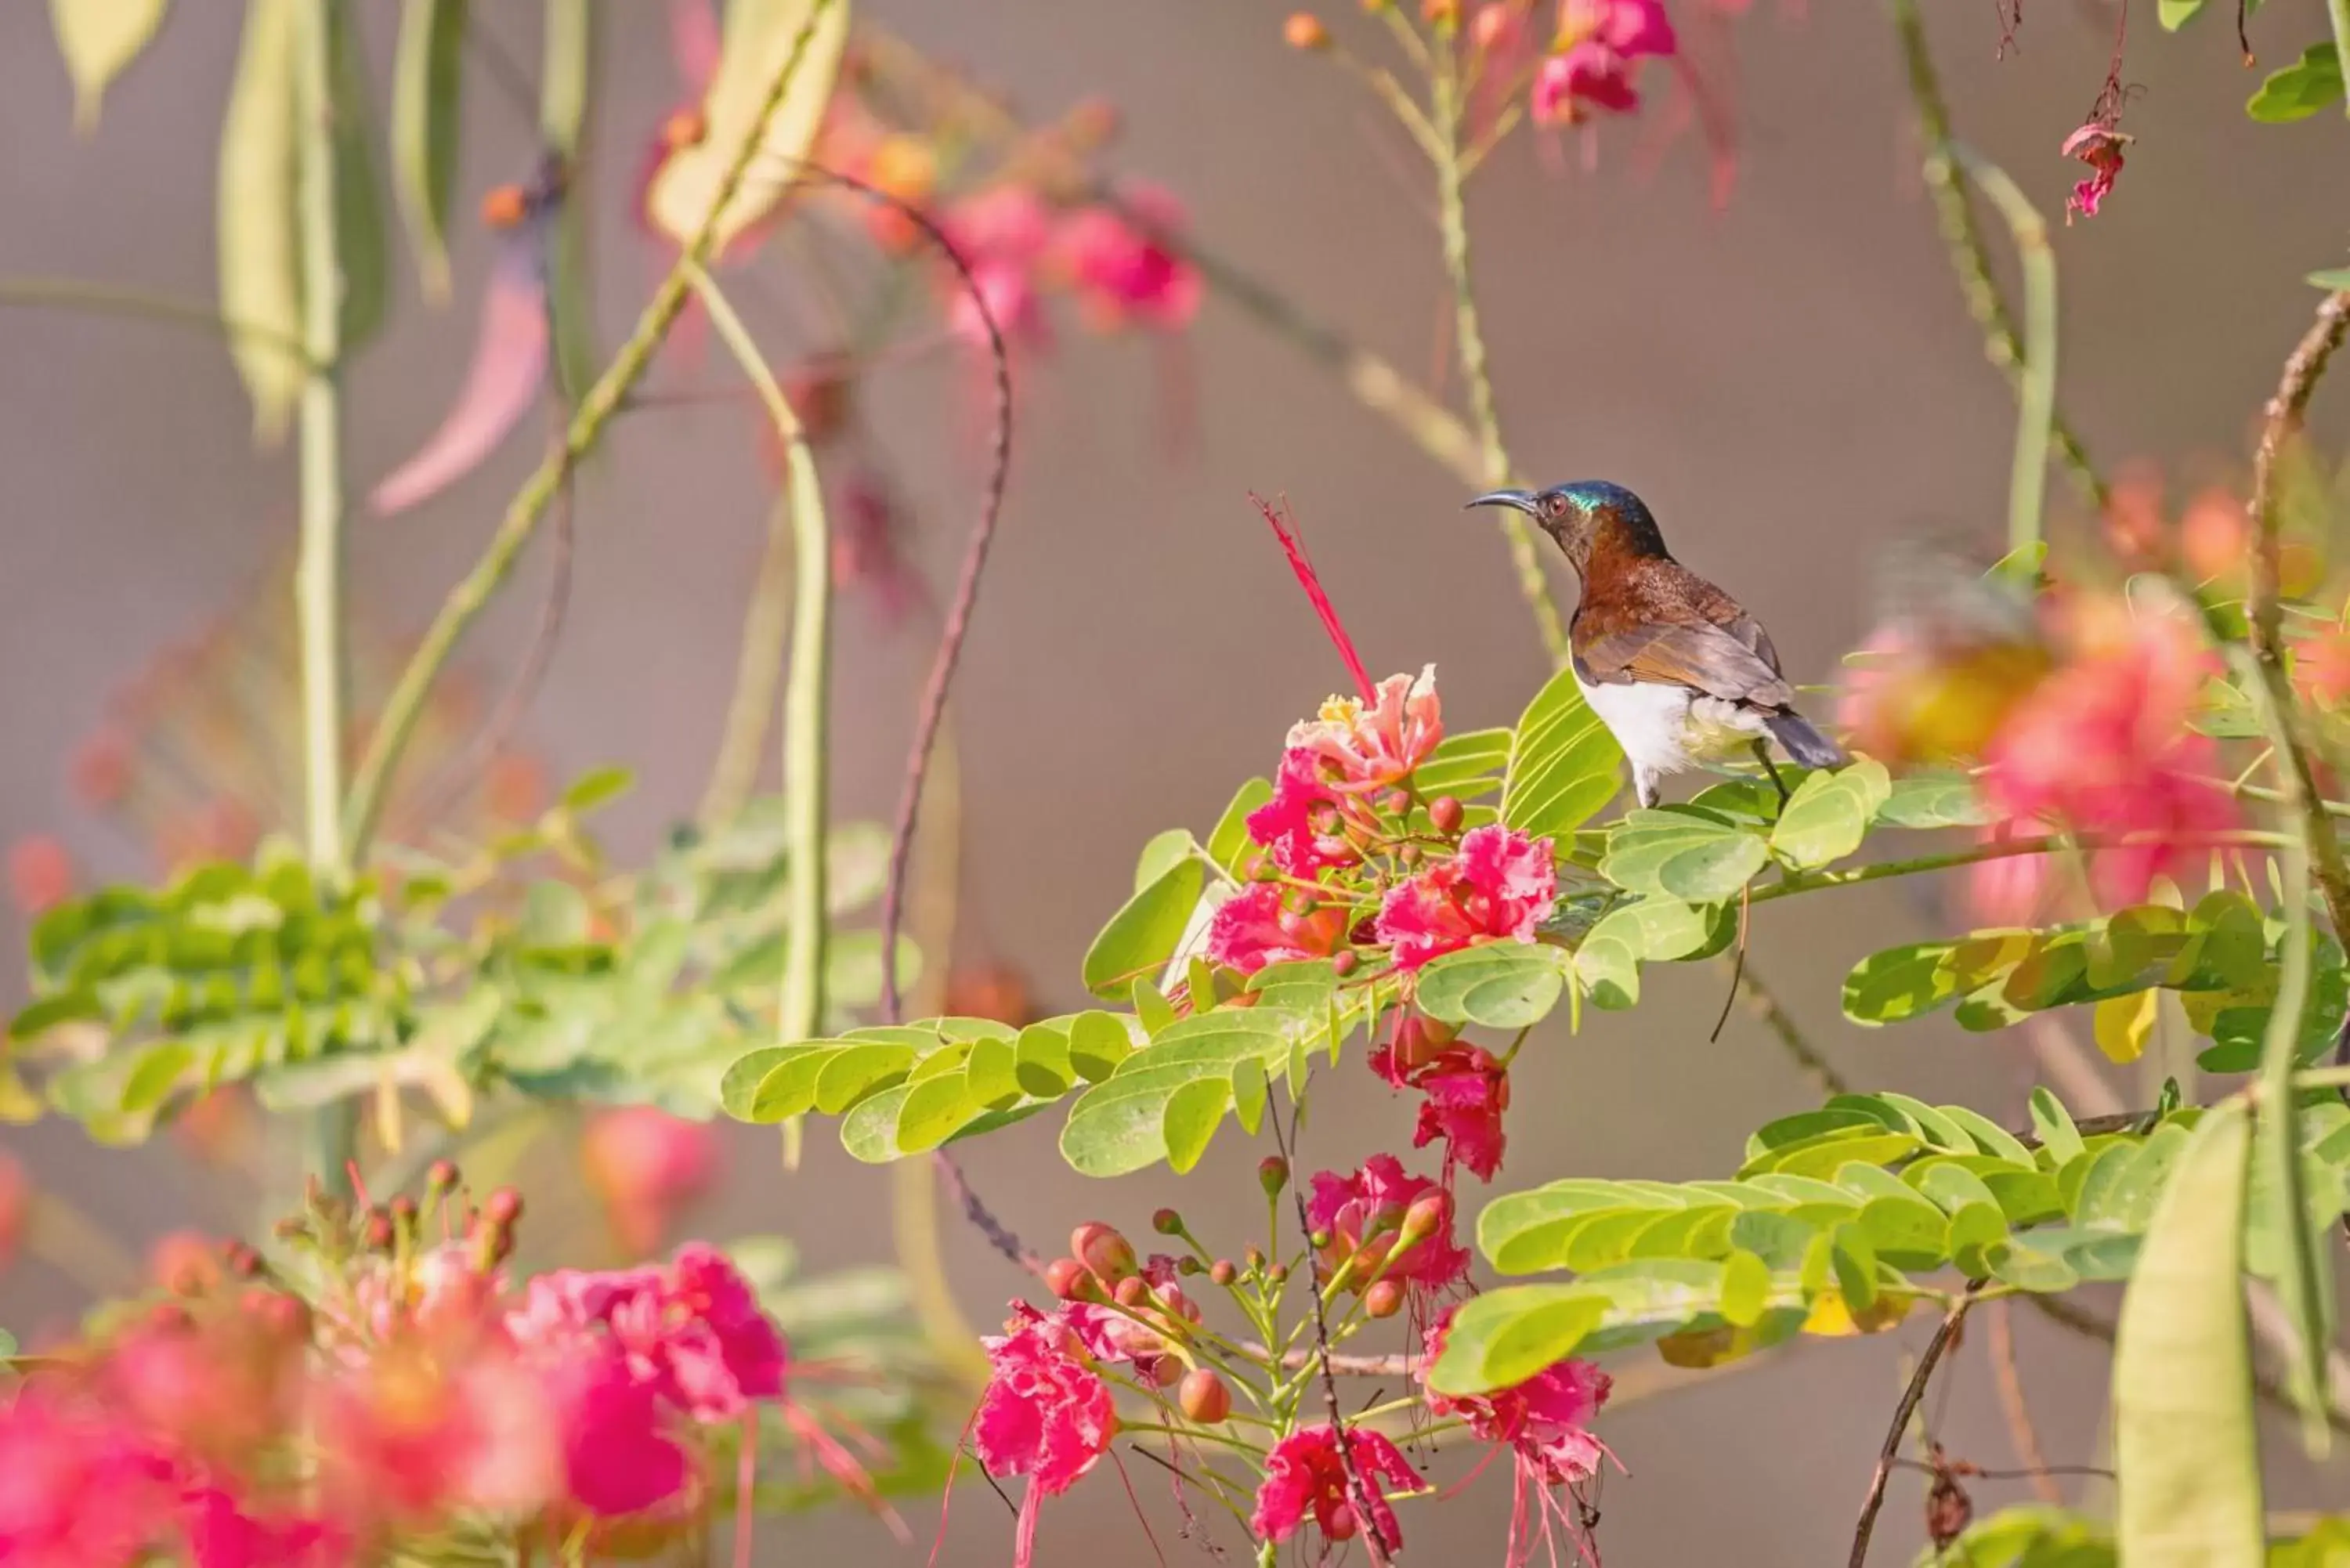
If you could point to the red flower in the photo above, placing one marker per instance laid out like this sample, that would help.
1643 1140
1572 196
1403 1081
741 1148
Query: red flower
1365 1216
1501 884
40 874
1544 1422
222 1534
1001 236
1045 1414
645 1164
1299 824
1467 1092
2098 145
620 1449
1255 926
1306 1473
78 1487
1125 272
1599 45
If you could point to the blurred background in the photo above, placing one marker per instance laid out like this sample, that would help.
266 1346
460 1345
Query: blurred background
1791 381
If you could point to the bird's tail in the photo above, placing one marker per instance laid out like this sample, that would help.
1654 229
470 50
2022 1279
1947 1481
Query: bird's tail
1804 743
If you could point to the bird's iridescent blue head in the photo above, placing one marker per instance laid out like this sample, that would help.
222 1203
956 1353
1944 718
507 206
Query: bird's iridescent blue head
1576 514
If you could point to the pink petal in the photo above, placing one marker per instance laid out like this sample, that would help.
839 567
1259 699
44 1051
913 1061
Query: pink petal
509 367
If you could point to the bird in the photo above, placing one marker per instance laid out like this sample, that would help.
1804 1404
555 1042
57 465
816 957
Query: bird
1681 675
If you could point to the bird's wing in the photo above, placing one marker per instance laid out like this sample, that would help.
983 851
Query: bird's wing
1697 654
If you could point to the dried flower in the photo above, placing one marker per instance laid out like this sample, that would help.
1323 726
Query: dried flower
2098 145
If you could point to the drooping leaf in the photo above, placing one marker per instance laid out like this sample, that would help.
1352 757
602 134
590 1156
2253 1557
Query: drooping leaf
1565 765
2187 1459
1504 1337
1149 1109
99 39
1685 853
2176 14
260 257
1230 840
2301 89
427 75
763 38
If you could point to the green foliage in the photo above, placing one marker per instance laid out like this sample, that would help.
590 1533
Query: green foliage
1142 938
2037 1537
1564 764
1829 814
2185 1454
1834 1216
2301 89
427 79
99 39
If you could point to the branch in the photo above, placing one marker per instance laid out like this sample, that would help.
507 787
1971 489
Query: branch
1906 1407
2016 1407
603 400
105 299
1492 455
1969 256
2290 726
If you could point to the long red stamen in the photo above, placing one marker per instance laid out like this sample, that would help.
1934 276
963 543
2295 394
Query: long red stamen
1294 549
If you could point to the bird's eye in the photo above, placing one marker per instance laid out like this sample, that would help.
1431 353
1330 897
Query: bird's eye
1553 505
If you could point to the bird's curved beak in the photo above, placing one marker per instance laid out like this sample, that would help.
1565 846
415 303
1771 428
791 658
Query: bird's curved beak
1524 500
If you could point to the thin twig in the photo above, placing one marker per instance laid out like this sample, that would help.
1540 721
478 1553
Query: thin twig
983 1219
2013 1405
1969 256
1765 1006
465 602
106 299
1899 1428
1374 1537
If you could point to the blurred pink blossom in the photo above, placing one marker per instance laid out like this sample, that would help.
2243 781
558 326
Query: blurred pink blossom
646 1165
1125 272
1595 56
1002 235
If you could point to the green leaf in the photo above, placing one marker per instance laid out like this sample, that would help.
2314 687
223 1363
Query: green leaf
1043 1062
1160 855
1230 841
1855 1262
1563 763
2187 1458
1192 1114
1098 1042
1498 984
1933 800
1143 936
427 74
260 255
2054 1126
1124 1123
2176 14
1464 766
1682 853
1503 1337
2306 1282
99 39
763 37
597 787
1745 1288
2299 90
1607 971
361 248
2333 280
158 1071
1829 814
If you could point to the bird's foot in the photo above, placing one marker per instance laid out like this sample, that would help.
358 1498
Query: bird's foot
1762 756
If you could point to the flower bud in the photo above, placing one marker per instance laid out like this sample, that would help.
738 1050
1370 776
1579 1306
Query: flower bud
1303 30
286 1315
1395 802
505 207
1342 1524
1409 855
1254 1259
1495 26
1446 813
1278 1273
1188 1265
1317 1239
1066 1278
440 1177
1103 1249
1222 1272
1272 1174
503 1207
403 1210
1384 1299
1132 1291
1167 1372
1429 1213
1203 1398
1167 1223
1346 963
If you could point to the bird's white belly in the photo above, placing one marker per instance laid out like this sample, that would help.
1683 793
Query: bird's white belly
1667 729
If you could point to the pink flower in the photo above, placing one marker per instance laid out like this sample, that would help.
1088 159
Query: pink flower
1046 1415
40 874
1467 1092
222 1534
1113 1333
620 1451
1363 1215
1299 824
2098 145
1125 272
694 1332
1502 884
1599 45
78 1487
1001 236
1544 1422
422 1427
645 1164
2102 746
1364 748
1306 1474
1255 926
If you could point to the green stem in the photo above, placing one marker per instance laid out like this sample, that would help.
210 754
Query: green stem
107 299
2338 13
806 692
333 1131
758 672
2036 402
595 411
1969 256
1493 458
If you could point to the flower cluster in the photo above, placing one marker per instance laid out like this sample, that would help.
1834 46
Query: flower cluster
1595 56
383 1384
